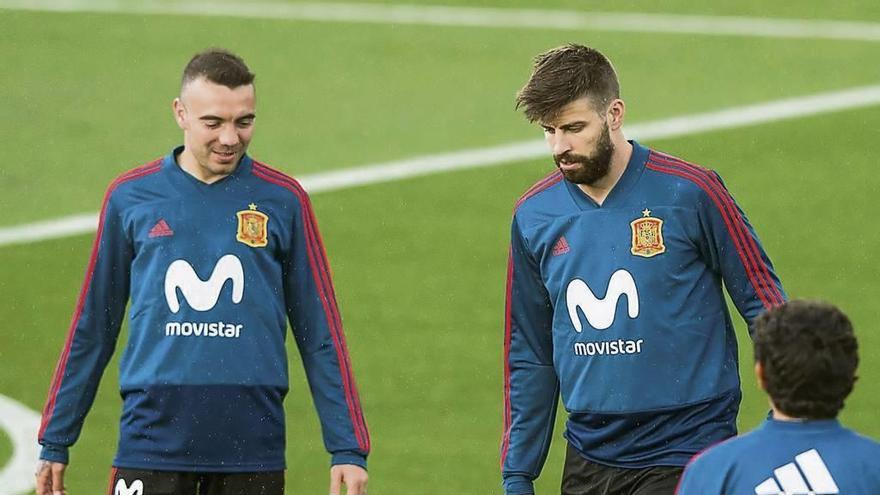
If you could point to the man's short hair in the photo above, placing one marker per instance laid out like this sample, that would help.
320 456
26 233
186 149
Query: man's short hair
218 66
809 354
565 74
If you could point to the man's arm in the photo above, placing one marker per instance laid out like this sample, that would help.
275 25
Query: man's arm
530 385
317 328
91 338
733 250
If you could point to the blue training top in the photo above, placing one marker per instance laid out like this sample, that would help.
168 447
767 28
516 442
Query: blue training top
619 308
214 273
788 458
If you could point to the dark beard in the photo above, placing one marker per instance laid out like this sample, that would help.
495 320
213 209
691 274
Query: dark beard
592 167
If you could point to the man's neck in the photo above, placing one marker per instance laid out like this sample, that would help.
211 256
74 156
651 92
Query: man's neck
781 416
619 159
187 161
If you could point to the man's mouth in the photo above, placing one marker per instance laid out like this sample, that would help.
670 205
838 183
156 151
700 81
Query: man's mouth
225 155
566 164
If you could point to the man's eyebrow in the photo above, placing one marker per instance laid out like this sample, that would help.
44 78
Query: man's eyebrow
566 126
214 117
577 123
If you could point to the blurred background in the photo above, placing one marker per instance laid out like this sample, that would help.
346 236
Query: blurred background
419 261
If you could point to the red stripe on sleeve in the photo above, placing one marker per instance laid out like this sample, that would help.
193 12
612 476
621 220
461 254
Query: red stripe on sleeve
316 256
543 184
539 186
505 440
58 375
770 288
736 235
320 272
324 271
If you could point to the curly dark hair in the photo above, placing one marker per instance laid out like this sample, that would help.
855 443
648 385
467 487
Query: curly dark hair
809 354
218 66
564 74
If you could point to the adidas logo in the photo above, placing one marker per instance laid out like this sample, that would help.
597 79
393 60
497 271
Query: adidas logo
561 247
161 229
808 475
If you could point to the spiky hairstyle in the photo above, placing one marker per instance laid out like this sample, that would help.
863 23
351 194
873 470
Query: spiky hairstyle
565 74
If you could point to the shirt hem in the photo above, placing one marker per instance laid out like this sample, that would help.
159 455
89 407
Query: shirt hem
661 409
676 460
202 468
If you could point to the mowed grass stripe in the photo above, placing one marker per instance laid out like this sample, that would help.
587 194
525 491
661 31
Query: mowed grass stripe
367 94
480 17
684 125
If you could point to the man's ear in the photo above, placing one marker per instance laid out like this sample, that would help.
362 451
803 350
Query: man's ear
616 114
179 112
759 374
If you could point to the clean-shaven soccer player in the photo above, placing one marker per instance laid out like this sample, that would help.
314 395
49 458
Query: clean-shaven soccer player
806 356
615 299
216 252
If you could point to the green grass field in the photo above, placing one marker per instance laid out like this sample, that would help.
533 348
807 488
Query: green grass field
419 264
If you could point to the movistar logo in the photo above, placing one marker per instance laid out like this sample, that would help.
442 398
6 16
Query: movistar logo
600 313
202 295
122 488
807 475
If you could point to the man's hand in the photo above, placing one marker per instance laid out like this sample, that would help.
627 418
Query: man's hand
353 477
50 478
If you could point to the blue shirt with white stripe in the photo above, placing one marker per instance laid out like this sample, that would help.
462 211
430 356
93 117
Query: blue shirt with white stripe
788 457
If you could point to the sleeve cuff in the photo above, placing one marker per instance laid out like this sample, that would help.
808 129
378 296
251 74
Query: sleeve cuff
54 453
518 485
349 458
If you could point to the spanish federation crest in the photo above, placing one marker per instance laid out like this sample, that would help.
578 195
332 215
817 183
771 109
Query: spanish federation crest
647 235
253 227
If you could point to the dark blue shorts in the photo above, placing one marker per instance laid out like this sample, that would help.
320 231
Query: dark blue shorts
143 482
582 477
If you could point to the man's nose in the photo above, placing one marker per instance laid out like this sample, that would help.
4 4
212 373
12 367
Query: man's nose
558 144
228 136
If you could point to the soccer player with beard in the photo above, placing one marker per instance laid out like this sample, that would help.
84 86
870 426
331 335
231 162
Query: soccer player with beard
615 298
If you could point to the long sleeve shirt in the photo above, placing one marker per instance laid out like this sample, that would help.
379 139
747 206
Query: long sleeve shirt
214 273
619 308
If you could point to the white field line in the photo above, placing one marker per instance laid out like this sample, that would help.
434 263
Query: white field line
476 17
22 425
684 125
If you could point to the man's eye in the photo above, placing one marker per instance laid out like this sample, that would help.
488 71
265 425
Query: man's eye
245 123
212 125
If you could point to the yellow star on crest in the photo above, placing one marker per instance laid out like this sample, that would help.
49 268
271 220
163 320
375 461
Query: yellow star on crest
646 212
252 206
